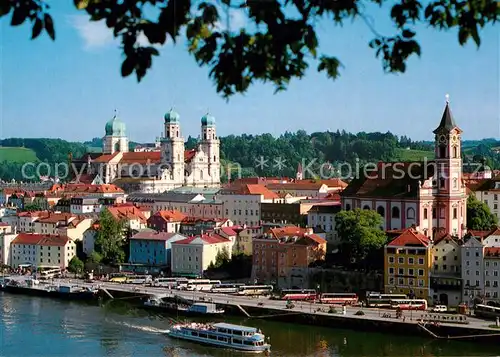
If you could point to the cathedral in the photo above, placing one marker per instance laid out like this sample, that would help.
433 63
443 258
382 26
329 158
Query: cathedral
167 166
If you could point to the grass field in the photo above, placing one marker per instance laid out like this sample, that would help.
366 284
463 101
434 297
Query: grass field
414 155
17 154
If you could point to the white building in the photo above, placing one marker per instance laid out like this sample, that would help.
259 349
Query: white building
472 270
50 223
488 191
160 170
88 240
5 244
446 271
322 218
42 250
193 255
82 205
491 274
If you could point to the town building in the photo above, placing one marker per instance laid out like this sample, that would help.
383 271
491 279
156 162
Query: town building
191 226
428 195
152 249
491 274
321 218
446 272
42 250
166 221
283 255
5 245
157 170
488 192
407 264
473 270
193 255
130 214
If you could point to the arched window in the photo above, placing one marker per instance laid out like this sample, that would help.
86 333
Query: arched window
168 134
410 213
442 152
366 207
381 211
213 136
205 136
347 207
177 133
425 213
178 157
455 183
117 146
395 212
455 152
215 158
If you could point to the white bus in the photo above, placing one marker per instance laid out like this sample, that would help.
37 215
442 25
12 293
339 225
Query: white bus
169 282
383 300
201 284
225 288
409 304
48 273
255 290
139 279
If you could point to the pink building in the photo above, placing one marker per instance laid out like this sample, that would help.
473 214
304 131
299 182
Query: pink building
429 195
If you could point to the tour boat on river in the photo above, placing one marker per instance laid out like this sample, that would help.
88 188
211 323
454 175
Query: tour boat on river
182 306
241 338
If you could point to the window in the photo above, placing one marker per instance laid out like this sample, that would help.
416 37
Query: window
420 261
442 183
434 212
401 271
347 207
395 212
455 152
455 213
455 183
420 272
391 260
391 271
366 207
381 211
401 260
425 213
442 152
410 213
401 281
411 260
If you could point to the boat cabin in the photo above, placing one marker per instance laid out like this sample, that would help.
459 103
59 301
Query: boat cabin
231 334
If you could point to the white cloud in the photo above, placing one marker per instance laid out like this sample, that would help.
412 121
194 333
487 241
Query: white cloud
95 34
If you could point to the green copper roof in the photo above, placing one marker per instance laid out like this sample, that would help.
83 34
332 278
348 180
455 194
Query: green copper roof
115 127
172 116
207 120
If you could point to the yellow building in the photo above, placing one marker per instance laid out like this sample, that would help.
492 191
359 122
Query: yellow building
407 265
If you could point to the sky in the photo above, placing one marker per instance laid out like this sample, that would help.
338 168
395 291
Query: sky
70 88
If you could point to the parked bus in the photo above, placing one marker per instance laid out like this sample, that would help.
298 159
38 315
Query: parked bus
383 300
409 304
225 288
298 294
201 284
139 279
48 273
339 298
169 282
487 312
255 290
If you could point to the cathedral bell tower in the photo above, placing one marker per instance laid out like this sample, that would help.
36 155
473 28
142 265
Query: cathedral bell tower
172 147
210 145
450 193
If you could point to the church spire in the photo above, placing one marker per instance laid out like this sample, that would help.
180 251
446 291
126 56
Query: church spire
447 123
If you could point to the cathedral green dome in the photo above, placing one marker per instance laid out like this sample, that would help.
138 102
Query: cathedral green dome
207 120
172 117
115 127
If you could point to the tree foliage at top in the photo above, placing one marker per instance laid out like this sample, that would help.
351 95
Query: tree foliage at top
360 233
75 265
110 238
279 41
479 216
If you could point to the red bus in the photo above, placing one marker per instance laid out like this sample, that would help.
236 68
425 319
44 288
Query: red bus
298 294
339 298
409 304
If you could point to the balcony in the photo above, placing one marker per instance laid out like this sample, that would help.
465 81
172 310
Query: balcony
446 283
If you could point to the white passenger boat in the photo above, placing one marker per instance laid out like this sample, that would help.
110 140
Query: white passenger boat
242 338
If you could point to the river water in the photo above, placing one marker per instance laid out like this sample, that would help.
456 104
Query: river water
40 327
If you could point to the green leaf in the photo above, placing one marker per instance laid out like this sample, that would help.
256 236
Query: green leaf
81 4
128 66
19 16
408 34
49 26
331 65
5 7
37 28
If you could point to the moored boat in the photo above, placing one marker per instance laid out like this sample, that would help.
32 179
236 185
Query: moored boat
182 306
35 288
241 338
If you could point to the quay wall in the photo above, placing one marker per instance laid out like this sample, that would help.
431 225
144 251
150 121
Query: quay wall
361 323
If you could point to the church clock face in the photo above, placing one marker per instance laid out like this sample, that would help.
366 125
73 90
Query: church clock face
454 139
442 139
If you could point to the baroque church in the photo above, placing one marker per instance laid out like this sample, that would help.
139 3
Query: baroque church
166 167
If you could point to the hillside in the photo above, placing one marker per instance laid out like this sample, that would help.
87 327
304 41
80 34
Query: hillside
17 154
413 155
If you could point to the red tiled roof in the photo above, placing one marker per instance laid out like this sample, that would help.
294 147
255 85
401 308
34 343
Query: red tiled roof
56 217
147 235
410 238
479 234
211 238
33 214
189 155
334 182
41 239
141 157
315 238
81 188
105 158
309 186
127 213
170 215
492 252
288 231
228 231
259 190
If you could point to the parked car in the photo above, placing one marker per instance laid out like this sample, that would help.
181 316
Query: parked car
439 308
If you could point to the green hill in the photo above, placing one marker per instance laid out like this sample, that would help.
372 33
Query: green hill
413 155
17 154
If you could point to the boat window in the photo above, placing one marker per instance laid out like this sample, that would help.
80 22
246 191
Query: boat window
249 343
194 333
220 338
237 340
212 337
203 335
223 330
236 332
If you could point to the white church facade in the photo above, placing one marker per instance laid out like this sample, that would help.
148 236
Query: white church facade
169 166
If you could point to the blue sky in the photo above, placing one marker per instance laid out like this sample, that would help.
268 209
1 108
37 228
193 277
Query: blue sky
69 88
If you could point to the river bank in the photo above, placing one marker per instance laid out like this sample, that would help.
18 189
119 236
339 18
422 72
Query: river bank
33 327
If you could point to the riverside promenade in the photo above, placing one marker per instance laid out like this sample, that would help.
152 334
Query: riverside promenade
317 314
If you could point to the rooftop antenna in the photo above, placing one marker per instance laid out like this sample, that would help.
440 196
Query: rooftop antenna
447 96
